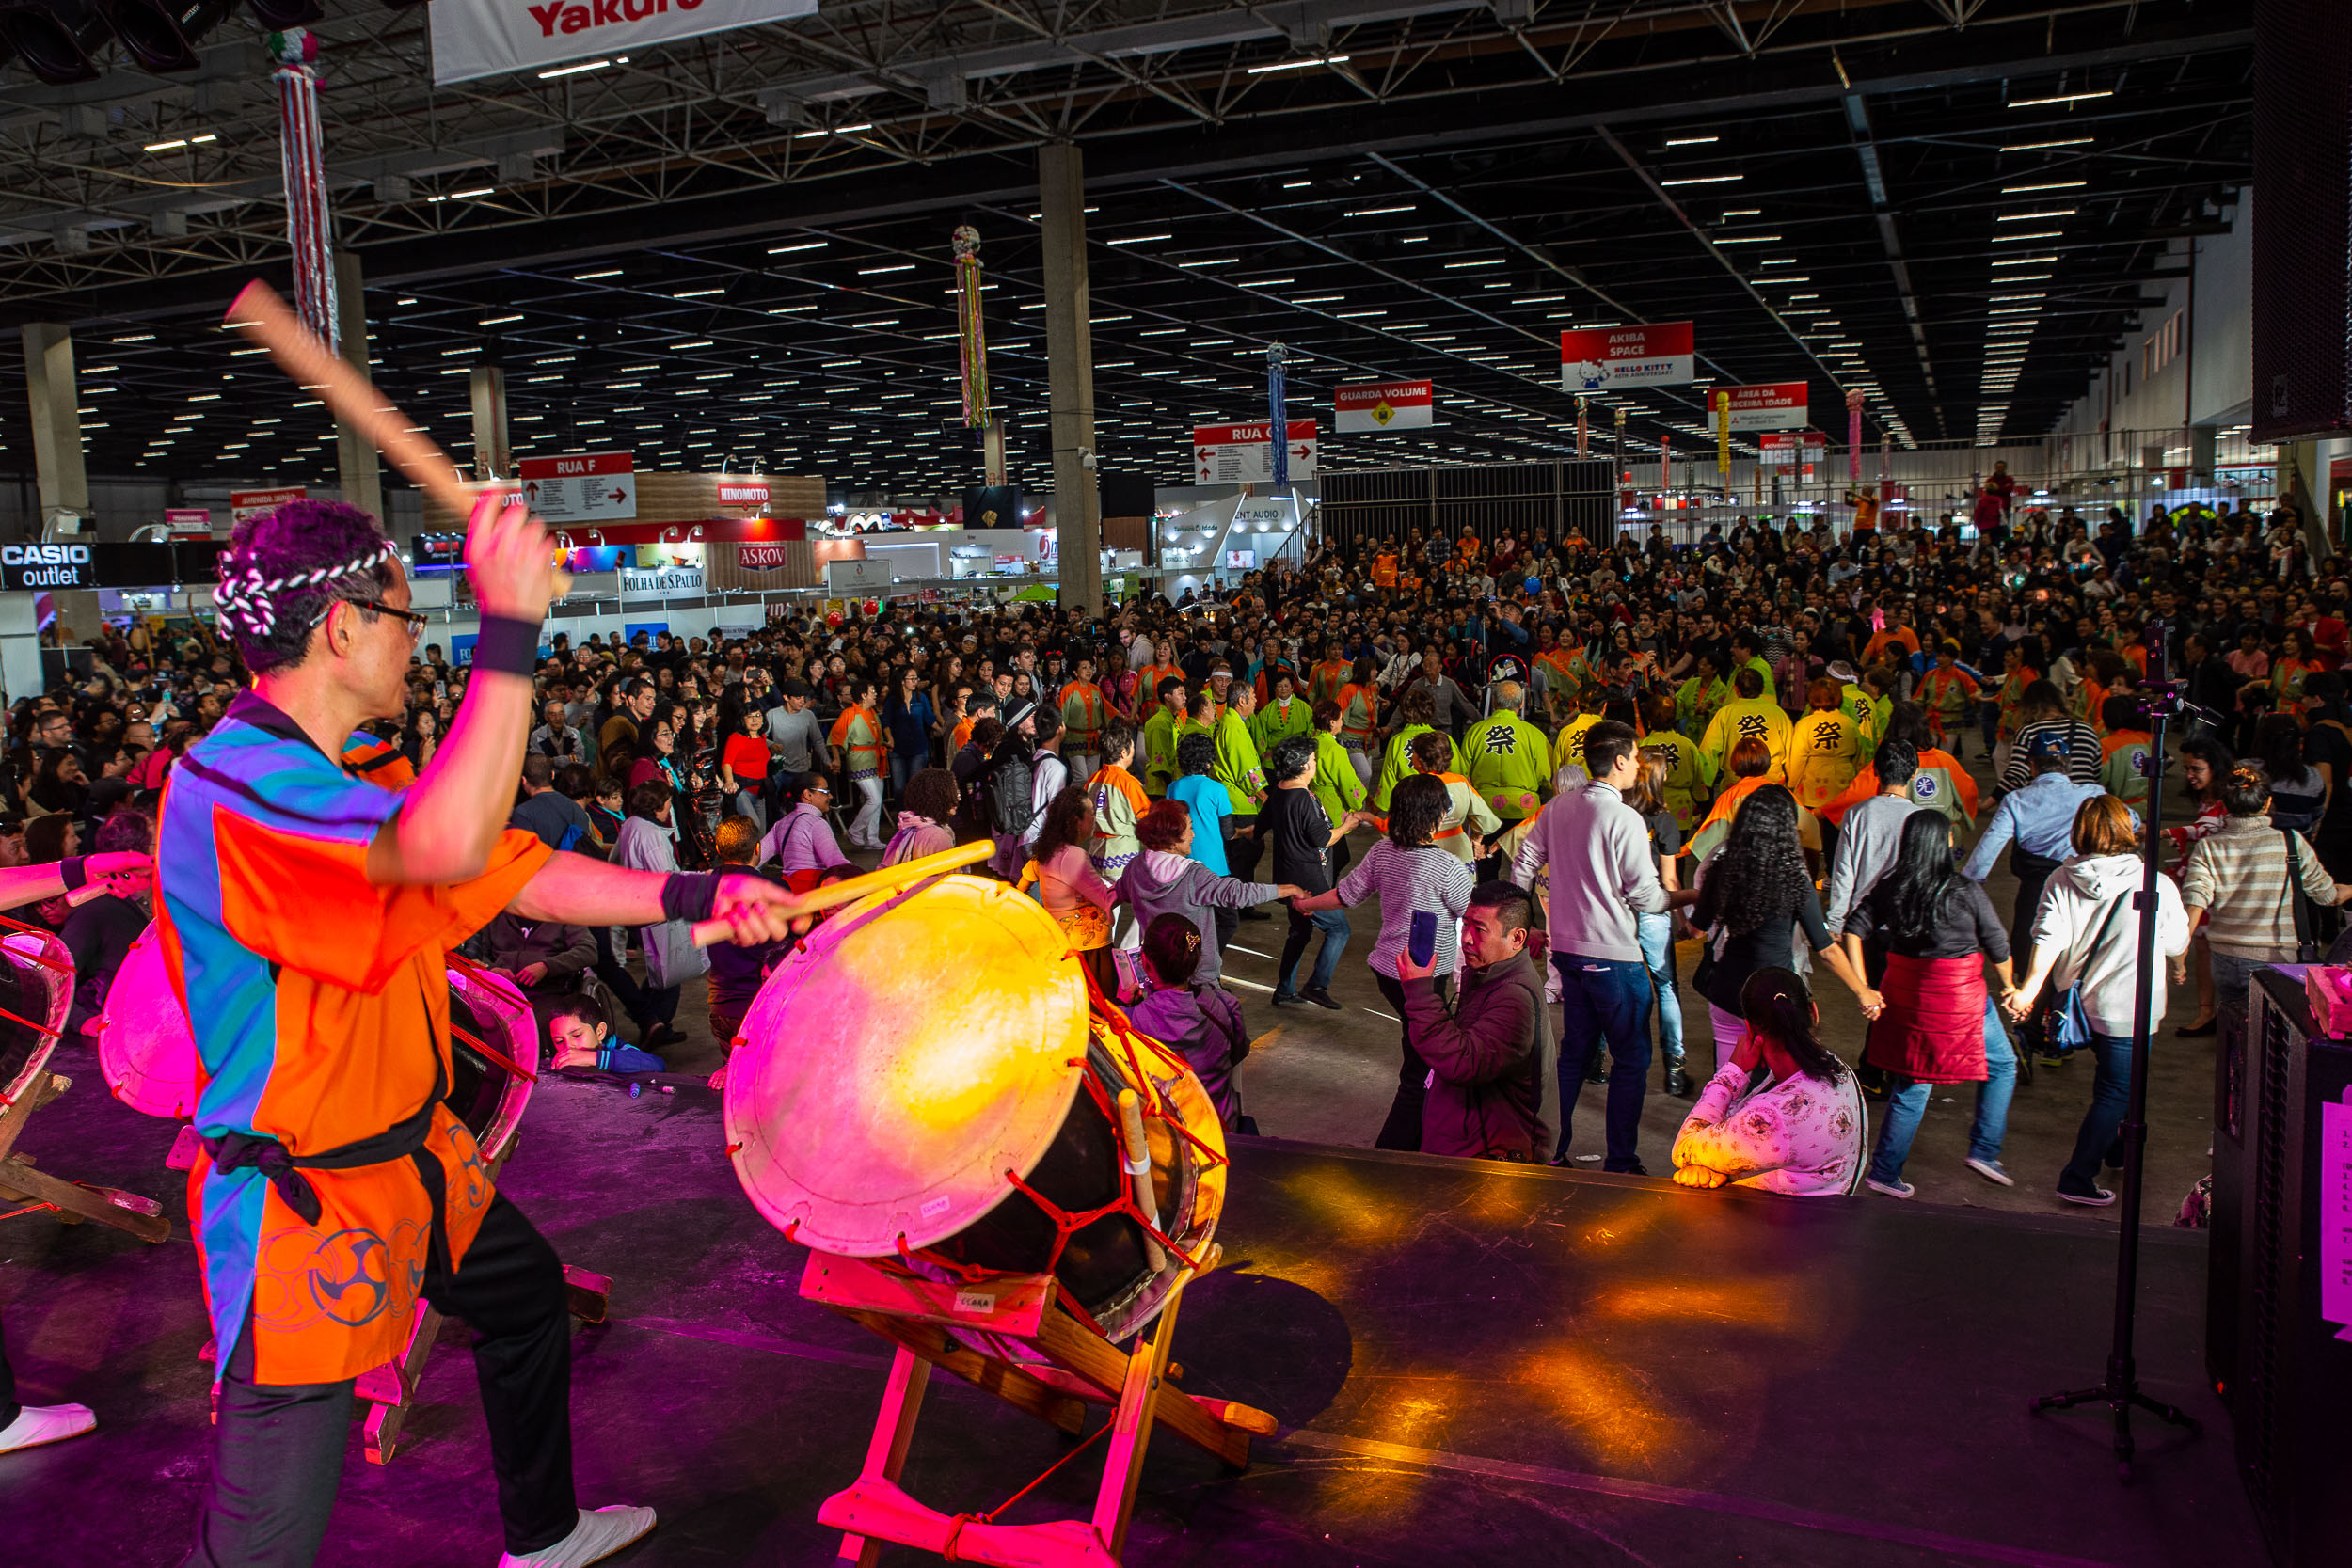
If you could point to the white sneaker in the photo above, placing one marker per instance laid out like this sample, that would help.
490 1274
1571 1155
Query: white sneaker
598 1536
36 1424
1892 1189
1991 1170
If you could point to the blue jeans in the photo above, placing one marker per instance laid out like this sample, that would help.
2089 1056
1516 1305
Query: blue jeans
1605 1001
1907 1102
2111 1092
1658 955
1333 924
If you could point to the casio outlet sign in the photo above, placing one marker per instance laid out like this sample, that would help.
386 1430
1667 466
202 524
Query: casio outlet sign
46 566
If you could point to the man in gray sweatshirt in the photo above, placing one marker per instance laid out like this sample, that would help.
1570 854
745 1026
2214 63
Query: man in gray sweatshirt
1603 875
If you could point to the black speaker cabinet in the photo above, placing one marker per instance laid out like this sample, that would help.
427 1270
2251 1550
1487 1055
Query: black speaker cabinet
2302 316
2282 1227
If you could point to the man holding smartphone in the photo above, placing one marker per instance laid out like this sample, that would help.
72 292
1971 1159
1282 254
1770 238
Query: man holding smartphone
1603 875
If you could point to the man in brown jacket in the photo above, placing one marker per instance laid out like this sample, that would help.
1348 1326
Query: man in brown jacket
1486 1051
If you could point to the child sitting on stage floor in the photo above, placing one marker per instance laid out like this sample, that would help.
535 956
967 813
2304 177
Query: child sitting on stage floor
1197 1019
579 1038
1801 1128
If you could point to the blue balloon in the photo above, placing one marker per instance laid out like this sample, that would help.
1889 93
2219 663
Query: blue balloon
1534 584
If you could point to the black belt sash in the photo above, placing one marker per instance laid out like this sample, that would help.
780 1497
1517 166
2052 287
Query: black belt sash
240 1150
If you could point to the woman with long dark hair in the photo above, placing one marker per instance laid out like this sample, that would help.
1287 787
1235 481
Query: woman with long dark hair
907 714
1756 894
1939 1024
1067 884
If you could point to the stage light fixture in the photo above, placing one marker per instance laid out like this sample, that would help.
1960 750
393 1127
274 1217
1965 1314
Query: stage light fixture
58 39
161 34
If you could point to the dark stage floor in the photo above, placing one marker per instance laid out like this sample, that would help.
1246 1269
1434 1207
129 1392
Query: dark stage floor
1473 1364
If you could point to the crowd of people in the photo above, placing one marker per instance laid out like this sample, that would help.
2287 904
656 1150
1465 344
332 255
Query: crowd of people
1763 736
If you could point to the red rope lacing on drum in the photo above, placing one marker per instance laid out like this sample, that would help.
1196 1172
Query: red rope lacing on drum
63 966
477 972
1111 1021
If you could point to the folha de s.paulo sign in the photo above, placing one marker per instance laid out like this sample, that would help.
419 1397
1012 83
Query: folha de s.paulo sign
474 38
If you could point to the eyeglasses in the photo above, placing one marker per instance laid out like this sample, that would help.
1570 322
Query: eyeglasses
416 623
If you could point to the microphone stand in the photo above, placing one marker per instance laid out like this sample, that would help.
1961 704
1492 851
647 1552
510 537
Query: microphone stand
2122 1392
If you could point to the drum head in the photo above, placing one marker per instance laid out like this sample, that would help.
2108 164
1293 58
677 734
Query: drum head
36 983
913 1050
485 1096
145 1051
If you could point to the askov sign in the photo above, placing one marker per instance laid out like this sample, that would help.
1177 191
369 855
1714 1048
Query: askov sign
1597 358
1243 453
472 38
1384 405
1777 406
591 488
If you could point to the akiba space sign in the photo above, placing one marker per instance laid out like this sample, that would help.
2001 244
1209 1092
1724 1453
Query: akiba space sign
474 38
46 566
1602 358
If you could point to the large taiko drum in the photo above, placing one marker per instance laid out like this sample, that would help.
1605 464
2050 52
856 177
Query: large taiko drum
37 988
147 1053
928 1079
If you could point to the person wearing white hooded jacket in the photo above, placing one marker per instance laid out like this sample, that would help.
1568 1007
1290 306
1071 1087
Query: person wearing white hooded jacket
2085 934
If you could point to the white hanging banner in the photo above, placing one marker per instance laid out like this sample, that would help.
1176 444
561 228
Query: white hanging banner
474 38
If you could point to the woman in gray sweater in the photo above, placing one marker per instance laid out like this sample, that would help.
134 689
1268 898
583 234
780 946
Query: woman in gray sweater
1162 880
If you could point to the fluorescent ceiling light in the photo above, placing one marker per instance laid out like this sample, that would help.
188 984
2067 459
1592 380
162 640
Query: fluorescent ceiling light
1298 65
1211 262
837 130
468 195
2041 235
573 69
1691 141
2060 97
2024 260
2028 217
696 293
1488 261
1704 180
697 342
1375 212
894 266
500 320
2045 185
586 276
2038 145
804 245
1746 239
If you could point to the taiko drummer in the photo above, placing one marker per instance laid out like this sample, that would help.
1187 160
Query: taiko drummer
305 912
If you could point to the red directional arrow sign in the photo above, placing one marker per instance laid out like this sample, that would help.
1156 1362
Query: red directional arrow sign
585 487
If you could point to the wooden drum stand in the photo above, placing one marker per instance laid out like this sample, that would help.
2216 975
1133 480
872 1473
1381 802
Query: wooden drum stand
1076 1367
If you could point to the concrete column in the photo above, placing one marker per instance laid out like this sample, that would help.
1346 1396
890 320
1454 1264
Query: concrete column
490 456
362 476
2301 481
2203 441
1069 372
49 388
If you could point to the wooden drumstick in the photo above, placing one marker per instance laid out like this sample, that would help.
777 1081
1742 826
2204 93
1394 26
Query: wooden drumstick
1137 1151
707 932
262 316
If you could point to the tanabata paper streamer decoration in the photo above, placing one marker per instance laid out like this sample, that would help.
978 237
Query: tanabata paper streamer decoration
303 160
1854 436
1278 411
971 334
